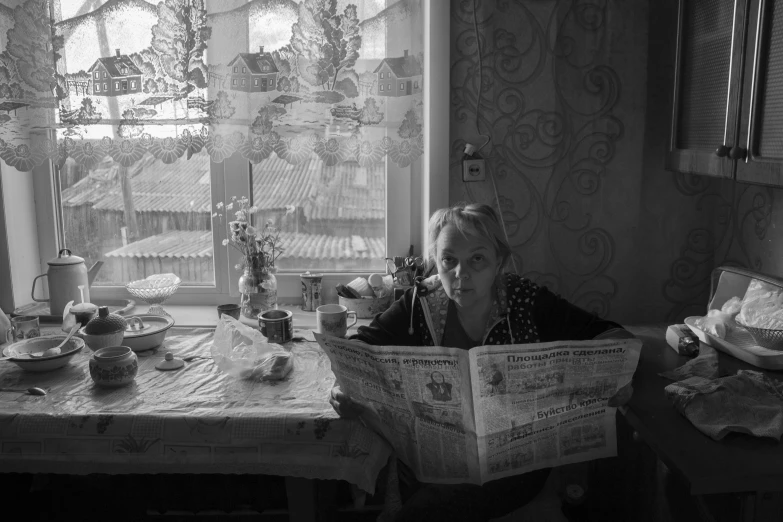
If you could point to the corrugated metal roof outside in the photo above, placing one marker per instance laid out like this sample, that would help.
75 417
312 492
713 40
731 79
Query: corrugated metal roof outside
178 243
324 192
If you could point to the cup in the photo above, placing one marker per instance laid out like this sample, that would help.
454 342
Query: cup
332 319
230 309
23 327
277 325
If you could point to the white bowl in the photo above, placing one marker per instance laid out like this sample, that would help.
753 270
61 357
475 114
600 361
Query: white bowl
145 332
16 352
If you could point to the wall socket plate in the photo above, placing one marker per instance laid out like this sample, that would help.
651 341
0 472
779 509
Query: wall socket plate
474 170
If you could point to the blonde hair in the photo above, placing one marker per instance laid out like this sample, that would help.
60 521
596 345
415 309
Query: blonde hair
476 219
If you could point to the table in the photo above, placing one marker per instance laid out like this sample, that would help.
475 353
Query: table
738 463
194 420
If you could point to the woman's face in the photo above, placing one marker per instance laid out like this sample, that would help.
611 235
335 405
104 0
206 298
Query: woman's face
467 266
438 378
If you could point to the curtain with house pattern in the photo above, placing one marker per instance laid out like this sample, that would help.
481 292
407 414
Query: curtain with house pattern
338 79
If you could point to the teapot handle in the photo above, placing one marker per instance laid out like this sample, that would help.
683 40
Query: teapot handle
32 292
60 254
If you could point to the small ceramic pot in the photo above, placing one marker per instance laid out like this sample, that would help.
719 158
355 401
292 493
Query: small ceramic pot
114 366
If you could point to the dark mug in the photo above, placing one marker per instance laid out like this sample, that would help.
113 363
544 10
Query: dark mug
277 325
229 309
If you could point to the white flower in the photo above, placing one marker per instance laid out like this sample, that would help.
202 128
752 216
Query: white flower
253 209
215 214
289 209
229 206
240 214
251 231
219 205
225 242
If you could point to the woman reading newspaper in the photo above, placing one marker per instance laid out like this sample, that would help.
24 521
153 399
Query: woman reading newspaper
472 302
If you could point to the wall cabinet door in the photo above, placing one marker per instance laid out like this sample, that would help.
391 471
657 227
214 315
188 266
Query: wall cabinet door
762 130
708 86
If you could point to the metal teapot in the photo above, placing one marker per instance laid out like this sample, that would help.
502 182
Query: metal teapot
66 272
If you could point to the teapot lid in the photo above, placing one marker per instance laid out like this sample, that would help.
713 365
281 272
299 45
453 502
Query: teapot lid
65 258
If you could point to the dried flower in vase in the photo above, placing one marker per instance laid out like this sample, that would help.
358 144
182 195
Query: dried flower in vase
259 249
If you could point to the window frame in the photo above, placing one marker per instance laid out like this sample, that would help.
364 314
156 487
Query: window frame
424 190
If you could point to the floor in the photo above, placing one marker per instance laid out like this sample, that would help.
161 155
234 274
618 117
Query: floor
631 487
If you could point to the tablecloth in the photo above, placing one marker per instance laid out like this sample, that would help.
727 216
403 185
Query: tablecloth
193 420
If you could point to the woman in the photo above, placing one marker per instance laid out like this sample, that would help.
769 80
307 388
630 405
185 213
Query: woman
472 302
439 388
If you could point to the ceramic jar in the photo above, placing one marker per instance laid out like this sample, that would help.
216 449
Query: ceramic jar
114 366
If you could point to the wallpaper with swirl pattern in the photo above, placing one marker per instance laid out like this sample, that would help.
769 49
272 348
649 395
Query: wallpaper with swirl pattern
575 107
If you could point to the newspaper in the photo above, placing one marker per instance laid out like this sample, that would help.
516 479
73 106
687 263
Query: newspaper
471 416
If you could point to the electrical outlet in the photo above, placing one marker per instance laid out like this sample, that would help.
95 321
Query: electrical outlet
474 170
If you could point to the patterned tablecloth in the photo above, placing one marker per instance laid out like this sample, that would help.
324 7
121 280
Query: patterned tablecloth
193 420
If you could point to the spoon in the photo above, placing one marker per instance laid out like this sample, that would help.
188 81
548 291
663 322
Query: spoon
30 391
56 350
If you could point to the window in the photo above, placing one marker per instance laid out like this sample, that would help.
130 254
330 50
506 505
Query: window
272 82
104 74
133 85
244 69
402 86
97 87
243 81
381 76
125 85
255 82
105 86
159 220
359 228
416 84
236 69
381 87
116 86
97 75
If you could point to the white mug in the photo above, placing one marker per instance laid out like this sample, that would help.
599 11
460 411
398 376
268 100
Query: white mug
332 319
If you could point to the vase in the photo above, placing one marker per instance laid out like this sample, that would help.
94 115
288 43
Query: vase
259 291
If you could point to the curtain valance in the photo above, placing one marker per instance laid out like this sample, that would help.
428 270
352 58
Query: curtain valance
123 78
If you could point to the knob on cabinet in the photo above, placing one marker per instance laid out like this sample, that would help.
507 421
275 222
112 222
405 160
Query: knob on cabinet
738 153
722 151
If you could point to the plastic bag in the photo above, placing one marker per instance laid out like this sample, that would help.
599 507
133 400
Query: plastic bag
242 352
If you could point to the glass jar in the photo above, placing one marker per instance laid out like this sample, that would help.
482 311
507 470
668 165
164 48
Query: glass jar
259 291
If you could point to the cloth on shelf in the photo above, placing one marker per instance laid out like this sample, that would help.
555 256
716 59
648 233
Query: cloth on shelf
748 402
704 365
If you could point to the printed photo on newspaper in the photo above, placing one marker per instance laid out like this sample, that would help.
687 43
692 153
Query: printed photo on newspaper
471 416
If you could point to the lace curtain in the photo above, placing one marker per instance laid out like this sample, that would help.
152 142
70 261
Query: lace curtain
89 79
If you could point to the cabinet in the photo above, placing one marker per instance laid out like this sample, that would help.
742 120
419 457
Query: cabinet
727 119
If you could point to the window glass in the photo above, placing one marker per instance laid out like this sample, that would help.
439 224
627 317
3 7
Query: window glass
331 218
146 219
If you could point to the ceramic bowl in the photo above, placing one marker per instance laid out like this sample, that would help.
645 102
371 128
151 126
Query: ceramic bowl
97 341
145 332
17 352
114 366
367 307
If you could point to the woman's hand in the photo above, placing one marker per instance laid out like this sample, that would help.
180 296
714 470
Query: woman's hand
622 396
343 405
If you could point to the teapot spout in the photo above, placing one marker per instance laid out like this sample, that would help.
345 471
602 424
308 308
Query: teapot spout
94 269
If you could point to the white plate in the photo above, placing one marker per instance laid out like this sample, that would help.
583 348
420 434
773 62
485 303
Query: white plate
740 344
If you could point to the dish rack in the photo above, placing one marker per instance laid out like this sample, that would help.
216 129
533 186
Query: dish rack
727 282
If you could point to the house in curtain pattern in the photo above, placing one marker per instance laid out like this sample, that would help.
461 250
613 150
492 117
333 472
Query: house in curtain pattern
252 72
399 76
114 76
